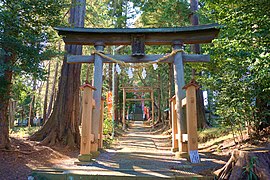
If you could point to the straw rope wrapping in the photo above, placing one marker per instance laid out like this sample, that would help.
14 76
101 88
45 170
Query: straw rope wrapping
138 65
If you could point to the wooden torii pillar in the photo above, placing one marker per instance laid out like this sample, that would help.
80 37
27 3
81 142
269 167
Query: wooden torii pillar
191 117
124 110
190 138
175 144
100 136
138 38
179 80
86 137
98 69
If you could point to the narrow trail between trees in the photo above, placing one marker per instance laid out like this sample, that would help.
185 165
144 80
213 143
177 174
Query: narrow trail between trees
138 154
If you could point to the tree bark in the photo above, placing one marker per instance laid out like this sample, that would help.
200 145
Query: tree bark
194 20
246 165
62 126
110 77
39 97
170 90
5 89
12 110
4 132
159 100
116 97
48 113
263 107
46 94
30 120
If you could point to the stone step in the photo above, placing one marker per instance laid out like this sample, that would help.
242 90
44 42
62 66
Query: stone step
120 174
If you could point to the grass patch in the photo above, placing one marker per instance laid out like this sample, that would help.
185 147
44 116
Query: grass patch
212 133
23 131
107 142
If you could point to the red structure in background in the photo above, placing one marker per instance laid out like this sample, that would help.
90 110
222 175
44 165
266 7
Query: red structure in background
109 104
146 112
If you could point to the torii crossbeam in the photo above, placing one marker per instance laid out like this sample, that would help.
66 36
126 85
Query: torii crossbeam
138 38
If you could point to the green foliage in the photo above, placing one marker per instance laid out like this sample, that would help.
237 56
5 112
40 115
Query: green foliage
98 14
26 35
107 143
107 126
23 131
239 72
21 92
168 13
27 39
212 133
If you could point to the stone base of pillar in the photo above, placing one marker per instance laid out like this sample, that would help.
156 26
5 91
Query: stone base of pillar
95 154
85 158
179 155
174 149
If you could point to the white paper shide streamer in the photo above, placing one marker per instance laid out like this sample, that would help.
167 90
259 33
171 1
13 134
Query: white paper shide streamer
130 73
155 66
144 73
118 69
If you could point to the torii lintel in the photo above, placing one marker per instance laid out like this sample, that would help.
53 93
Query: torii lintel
151 36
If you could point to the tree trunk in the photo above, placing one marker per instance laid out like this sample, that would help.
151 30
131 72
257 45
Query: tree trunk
110 77
159 100
246 165
200 110
38 99
170 90
116 97
46 94
30 120
5 89
32 106
53 92
4 132
63 124
194 20
263 106
12 111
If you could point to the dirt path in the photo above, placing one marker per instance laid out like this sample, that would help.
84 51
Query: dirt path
137 154
142 154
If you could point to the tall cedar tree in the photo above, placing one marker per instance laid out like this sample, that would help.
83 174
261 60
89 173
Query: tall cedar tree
63 125
194 20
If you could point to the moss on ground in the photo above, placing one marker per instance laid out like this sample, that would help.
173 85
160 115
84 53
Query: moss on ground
23 131
212 133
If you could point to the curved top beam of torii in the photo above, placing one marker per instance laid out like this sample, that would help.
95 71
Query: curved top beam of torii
152 36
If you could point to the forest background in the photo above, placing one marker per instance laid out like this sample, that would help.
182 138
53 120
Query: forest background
237 79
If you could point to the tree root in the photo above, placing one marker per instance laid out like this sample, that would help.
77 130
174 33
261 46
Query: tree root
22 152
246 165
50 139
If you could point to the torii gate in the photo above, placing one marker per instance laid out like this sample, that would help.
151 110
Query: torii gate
137 89
138 38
